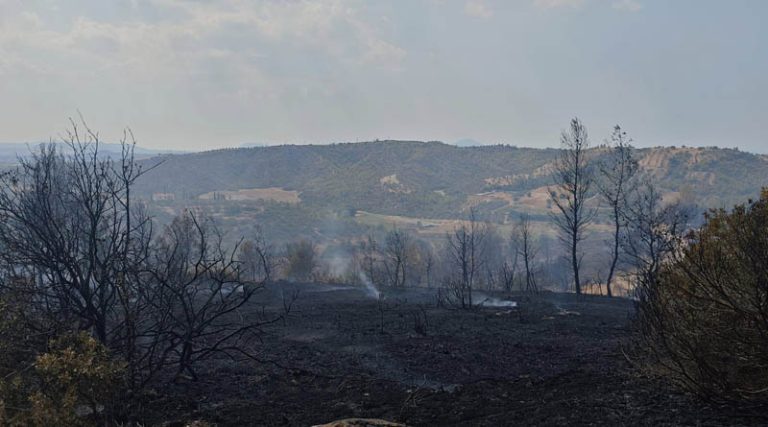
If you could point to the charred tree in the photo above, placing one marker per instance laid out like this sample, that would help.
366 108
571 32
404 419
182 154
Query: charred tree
82 256
526 250
397 248
573 178
615 185
466 252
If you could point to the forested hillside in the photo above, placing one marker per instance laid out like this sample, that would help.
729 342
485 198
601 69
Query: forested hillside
435 180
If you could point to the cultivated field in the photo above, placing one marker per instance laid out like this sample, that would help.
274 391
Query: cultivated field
438 228
252 194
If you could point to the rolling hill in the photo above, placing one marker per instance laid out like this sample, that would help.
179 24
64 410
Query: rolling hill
432 179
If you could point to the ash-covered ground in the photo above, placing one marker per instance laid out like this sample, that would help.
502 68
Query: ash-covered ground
553 359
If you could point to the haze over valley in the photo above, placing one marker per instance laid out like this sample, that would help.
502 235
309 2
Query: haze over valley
340 213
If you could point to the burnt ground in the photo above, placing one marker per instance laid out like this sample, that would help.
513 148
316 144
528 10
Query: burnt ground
553 360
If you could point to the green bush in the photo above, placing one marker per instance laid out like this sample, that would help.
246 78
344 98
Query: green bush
72 383
706 321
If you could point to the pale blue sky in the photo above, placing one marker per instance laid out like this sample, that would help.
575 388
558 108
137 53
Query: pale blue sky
208 74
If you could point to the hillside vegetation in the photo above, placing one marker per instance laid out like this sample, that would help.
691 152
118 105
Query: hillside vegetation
436 180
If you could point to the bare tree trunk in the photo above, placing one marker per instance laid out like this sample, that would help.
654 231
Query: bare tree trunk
616 182
522 237
575 265
397 248
615 254
573 178
466 249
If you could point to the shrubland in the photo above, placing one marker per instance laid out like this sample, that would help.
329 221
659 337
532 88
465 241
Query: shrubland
704 317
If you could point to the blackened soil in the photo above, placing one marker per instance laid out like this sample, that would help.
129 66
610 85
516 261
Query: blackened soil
552 360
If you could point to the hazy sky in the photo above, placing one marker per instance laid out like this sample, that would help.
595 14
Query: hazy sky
207 74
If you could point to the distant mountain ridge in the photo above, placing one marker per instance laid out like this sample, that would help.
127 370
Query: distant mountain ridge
11 151
433 179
